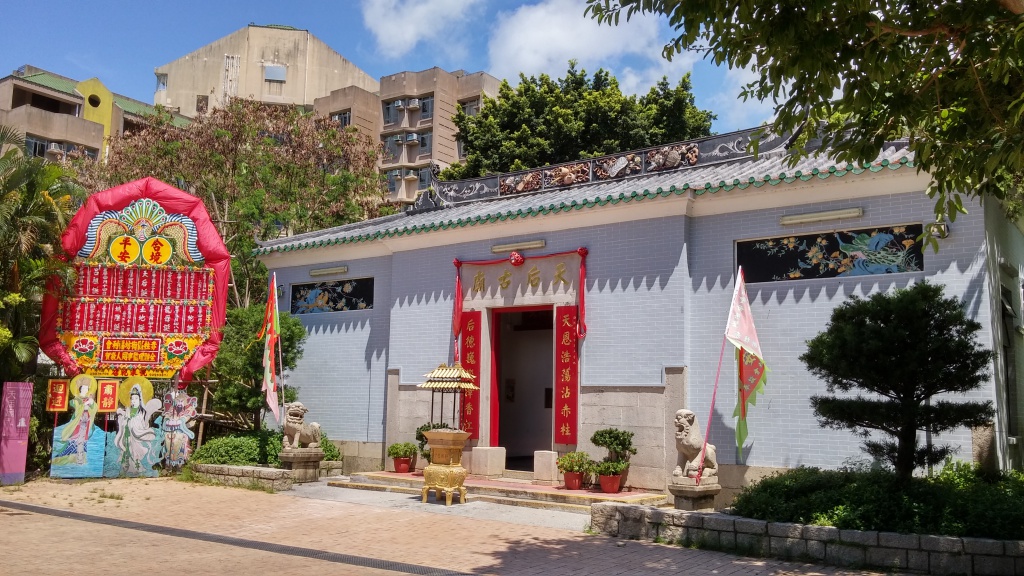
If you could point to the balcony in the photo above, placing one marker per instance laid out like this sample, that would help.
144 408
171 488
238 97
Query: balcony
54 126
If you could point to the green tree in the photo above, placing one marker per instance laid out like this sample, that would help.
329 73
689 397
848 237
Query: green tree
903 348
261 169
948 75
238 368
543 121
37 199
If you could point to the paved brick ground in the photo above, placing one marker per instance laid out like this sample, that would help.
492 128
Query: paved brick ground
35 543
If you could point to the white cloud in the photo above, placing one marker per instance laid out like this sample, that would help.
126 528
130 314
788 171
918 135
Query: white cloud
542 37
734 113
399 25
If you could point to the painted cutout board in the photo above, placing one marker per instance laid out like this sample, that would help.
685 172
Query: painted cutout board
15 415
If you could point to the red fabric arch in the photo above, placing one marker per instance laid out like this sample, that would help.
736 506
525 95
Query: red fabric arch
208 241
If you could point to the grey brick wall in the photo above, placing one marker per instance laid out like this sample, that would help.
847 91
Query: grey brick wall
658 292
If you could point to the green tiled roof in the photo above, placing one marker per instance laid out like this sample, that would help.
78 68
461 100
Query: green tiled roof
68 86
700 180
53 81
142 109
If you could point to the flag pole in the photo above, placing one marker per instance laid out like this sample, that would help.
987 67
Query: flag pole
714 393
280 360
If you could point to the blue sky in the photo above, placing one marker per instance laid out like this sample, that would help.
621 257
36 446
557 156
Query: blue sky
121 42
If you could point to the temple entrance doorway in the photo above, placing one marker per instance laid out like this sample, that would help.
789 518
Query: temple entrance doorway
524 363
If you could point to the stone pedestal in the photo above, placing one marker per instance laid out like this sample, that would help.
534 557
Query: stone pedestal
687 495
487 461
303 462
545 468
445 474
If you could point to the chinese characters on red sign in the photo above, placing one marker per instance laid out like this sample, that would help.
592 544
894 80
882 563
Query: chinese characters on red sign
57 396
566 375
106 395
471 331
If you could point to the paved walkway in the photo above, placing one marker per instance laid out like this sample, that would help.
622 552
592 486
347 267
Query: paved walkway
162 526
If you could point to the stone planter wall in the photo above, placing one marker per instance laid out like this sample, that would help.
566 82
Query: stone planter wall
822 544
332 468
268 478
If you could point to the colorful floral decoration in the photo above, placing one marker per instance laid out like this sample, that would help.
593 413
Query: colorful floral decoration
151 288
833 254
332 296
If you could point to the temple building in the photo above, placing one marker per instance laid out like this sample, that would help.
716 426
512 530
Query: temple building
595 294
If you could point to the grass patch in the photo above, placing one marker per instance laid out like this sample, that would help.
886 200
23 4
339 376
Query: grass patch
962 500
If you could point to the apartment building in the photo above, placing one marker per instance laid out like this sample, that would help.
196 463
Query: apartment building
412 115
272 63
58 115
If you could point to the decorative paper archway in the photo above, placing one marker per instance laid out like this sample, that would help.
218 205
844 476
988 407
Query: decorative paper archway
152 286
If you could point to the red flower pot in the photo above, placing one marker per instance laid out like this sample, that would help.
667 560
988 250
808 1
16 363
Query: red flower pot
573 480
610 484
402 464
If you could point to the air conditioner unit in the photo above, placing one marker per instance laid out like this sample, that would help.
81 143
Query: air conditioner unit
414 104
411 139
55 147
412 175
399 105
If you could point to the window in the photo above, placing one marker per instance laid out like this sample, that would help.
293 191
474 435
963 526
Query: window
470 108
424 178
35 146
426 107
462 148
273 88
390 112
275 73
392 147
394 177
342 118
161 82
202 104
426 140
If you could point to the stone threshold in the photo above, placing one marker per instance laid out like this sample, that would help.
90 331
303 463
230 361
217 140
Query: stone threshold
944 555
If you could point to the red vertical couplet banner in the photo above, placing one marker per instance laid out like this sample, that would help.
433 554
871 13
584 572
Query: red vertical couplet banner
471 330
106 395
567 381
15 414
57 396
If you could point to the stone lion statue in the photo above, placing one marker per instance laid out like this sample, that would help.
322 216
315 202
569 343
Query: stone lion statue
689 442
297 433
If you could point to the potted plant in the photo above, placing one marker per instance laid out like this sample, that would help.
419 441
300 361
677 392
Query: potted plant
609 474
402 453
574 466
620 447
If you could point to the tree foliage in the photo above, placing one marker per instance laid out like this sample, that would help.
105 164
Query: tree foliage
903 348
238 368
37 199
260 169
948 75
543 121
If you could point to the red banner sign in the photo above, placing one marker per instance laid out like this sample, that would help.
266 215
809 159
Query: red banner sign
106 395
57 396
470 358
567 385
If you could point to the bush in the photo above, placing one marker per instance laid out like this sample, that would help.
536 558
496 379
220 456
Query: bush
251 449
960 501
574 462
610 467
331 452
402 450
618 442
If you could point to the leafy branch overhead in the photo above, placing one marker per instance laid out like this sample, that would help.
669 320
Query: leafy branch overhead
946 75
262 170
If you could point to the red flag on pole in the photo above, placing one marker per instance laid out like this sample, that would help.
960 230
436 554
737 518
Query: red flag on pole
271 329
751 368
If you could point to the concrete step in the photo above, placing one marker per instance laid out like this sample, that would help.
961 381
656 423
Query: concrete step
471 496
518 474
516 490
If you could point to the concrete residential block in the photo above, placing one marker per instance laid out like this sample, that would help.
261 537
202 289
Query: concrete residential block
487 461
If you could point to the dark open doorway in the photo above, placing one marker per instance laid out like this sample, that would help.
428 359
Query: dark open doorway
525 372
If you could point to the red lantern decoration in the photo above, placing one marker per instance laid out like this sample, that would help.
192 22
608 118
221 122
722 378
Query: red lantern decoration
516 259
